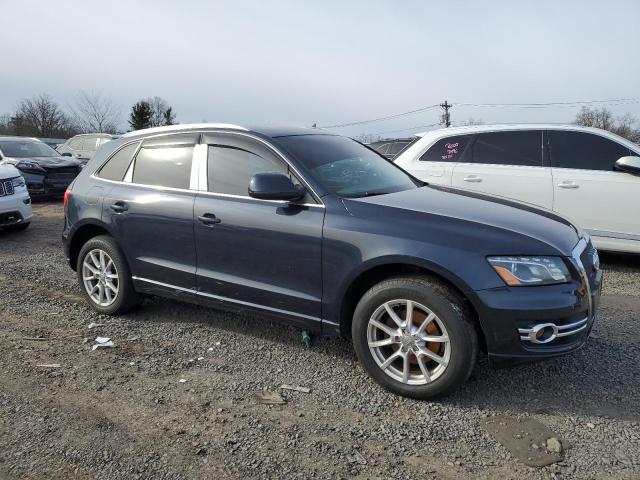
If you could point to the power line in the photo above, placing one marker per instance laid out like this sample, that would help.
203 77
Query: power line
550 104
388 117
617 101
410 128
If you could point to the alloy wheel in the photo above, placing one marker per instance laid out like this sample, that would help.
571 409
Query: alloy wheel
409 342
100 277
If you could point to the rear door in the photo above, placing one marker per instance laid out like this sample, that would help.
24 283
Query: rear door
508 164
589 190
436 164
150 210
259 253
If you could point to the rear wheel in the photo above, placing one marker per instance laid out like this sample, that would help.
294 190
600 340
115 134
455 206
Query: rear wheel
104 276
415 336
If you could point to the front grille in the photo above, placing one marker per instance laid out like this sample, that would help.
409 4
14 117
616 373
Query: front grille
6 187
62 172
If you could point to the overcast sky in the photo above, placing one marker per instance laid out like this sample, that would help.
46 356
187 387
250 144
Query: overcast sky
298 62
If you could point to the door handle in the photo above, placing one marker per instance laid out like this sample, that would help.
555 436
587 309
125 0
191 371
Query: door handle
568 185
472 179
209 219
120 207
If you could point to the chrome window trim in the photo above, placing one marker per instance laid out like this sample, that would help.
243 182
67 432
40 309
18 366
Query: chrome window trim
227 299
202 172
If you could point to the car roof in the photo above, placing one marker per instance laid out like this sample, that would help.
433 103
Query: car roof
500 127
273 132
16 138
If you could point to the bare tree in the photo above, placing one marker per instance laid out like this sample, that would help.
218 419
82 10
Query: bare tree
94 112
161 112
624 126
41 116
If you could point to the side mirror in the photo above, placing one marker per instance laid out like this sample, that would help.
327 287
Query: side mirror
629 164
66 154
274 186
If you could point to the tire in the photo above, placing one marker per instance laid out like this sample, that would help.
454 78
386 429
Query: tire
17 228
116 274
448 358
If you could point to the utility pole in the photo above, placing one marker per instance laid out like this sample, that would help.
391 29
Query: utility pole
446 120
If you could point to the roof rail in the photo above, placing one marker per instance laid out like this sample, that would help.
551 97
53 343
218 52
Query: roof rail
184 126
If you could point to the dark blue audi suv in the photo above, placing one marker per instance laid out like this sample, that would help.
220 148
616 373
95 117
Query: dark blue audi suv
325 233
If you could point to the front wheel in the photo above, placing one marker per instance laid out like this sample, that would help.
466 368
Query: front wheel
104 276
415 336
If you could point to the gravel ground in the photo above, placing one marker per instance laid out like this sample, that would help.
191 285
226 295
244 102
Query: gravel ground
126 412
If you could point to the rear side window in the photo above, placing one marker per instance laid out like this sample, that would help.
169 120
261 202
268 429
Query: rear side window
164 166
584 151
229 169
450 149
509 148
89 143
117 165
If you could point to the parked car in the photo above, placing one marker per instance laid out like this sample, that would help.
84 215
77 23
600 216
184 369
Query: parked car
590 175
325 233
390 149
15 203
44 170
82 147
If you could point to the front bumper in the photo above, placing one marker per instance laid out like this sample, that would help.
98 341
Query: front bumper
522 324
15 208
47 184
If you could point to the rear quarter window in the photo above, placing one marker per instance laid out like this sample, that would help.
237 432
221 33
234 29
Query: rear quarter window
117 165
449 149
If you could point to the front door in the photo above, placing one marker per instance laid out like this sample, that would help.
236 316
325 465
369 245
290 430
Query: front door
257 253
589 190
508 164
150 212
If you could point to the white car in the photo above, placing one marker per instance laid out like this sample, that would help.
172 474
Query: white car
15 203
83 146
589 175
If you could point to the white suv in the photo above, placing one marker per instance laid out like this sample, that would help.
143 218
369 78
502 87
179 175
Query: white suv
15 203
587 174
83 146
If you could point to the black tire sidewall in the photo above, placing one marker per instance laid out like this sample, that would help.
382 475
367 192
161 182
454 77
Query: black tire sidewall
462 335
127 296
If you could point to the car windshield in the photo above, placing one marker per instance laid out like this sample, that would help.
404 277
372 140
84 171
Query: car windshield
345 167
26 148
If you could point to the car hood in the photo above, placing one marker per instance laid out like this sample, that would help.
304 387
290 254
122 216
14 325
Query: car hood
514 227
8 171
46 161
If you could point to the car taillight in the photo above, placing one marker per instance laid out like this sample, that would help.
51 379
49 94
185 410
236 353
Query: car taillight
67 194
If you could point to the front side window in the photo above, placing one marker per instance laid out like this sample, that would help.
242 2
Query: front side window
509 148
26 149
230 168
584 150
76 143
163 166
346 168
116 167
450 149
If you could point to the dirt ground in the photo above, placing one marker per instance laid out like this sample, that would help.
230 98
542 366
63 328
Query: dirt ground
176 397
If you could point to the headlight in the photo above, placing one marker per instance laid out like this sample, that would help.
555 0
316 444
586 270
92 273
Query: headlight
521 271
28 165
18 182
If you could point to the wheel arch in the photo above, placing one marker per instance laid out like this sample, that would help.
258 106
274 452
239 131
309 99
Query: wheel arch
374 272
82 235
